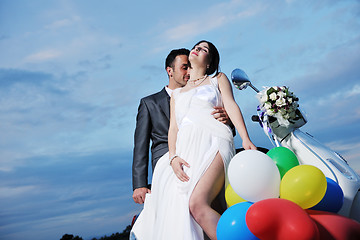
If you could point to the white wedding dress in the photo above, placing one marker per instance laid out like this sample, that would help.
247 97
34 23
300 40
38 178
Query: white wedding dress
200 137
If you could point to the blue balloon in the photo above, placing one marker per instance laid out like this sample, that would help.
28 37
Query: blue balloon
232 224
333 199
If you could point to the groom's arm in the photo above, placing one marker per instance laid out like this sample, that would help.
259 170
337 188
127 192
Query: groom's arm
221 115
141 153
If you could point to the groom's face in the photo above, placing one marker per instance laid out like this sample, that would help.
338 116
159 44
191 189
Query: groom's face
180 70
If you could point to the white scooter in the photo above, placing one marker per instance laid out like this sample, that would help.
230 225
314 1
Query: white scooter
309 151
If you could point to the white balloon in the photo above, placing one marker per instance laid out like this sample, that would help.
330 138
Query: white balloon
254 176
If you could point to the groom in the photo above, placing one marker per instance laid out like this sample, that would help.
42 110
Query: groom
152 123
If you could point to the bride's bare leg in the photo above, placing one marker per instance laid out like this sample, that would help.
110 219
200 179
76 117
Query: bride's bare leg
204 193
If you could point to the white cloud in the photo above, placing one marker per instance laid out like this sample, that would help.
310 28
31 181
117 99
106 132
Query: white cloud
194 28
43 55
63 23
354 91
213 18
339 96
345 146
7 192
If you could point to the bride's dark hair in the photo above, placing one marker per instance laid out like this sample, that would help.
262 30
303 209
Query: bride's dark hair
214 58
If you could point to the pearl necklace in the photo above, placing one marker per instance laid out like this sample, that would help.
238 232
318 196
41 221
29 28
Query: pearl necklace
199 80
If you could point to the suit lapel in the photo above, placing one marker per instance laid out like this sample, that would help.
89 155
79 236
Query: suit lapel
165 103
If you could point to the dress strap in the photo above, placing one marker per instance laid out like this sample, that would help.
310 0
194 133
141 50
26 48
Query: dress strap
214 82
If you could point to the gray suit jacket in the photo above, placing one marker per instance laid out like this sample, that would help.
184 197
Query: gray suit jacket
152 123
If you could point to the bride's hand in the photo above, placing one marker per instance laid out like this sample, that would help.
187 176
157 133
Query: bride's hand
248 145
177 165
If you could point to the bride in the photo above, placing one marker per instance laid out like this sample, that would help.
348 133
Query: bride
189 177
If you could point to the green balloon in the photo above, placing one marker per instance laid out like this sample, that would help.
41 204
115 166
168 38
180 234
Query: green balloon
284 158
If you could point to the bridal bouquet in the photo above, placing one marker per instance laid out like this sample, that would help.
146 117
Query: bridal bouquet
280 103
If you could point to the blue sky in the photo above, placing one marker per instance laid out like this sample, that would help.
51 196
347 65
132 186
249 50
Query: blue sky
72 74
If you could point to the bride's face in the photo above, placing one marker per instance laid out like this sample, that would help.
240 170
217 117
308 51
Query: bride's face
200 54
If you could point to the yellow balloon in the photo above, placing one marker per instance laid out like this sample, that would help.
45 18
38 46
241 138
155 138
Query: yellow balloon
304 185
232 197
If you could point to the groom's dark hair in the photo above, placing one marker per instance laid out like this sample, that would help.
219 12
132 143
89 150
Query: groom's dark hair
169 62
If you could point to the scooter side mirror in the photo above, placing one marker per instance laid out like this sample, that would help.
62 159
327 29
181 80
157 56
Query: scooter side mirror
241 80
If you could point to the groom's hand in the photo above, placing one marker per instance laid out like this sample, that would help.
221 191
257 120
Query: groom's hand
221 115
177 166
139 194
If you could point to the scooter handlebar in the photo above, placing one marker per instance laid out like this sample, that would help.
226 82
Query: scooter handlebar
255 118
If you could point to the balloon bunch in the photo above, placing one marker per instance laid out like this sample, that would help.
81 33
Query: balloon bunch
272 196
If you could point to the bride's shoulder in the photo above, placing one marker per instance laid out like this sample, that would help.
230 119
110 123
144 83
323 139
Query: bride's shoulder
220 77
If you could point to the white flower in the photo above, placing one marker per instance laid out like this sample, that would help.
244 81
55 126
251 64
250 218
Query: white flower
269 112
281 94
290 100
273 96
264 98
267 106
280 102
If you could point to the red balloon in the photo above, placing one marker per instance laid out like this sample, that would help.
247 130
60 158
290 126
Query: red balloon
334 226
277 218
